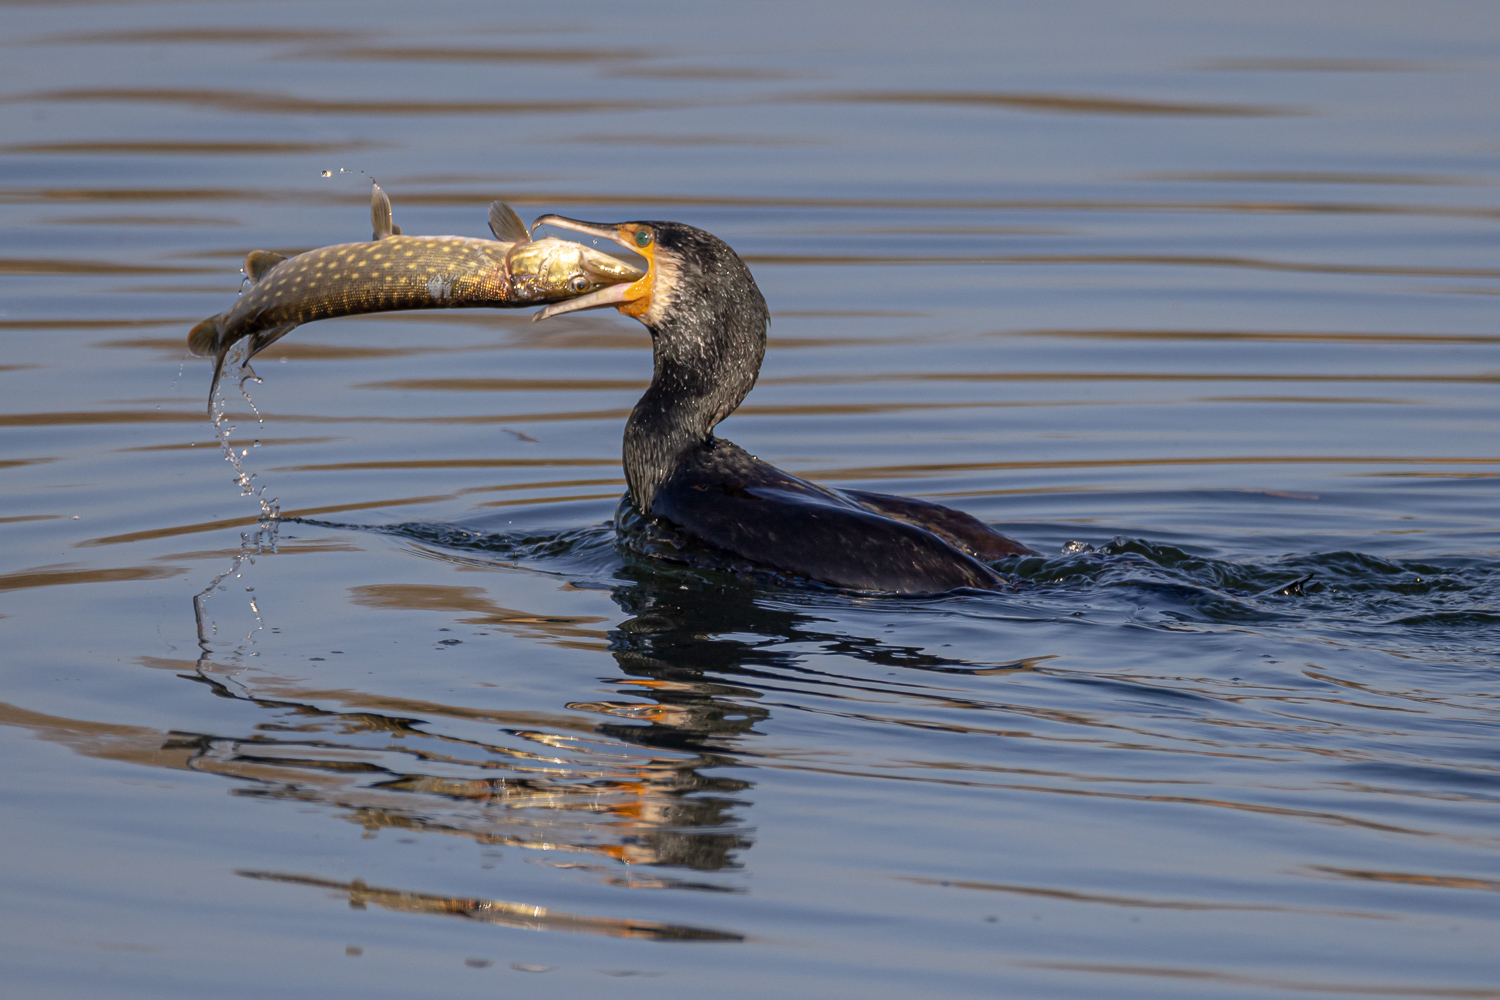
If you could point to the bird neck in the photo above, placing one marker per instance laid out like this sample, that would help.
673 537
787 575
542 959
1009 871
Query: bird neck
707 355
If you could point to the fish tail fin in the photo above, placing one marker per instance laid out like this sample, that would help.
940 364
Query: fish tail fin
213 387
203 340
207 339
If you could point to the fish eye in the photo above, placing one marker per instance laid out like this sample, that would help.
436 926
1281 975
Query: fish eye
579 283
643 237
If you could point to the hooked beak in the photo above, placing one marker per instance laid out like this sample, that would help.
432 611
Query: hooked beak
632 299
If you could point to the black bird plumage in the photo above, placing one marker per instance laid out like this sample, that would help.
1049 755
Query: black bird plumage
688 488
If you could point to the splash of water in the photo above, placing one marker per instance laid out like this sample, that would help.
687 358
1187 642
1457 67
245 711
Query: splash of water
261 541
238 359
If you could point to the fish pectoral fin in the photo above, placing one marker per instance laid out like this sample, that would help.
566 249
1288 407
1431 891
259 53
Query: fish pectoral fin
265 338
380 214
506 224
258 262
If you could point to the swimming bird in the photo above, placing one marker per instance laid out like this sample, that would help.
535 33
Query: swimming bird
688 489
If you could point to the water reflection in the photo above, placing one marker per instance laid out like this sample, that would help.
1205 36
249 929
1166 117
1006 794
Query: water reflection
650 787
534 787
524 916
380 770
656 781
644 786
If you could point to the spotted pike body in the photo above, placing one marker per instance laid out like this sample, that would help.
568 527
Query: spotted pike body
398 272
395 272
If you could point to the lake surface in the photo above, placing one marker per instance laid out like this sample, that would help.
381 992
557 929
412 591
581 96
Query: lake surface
1199 300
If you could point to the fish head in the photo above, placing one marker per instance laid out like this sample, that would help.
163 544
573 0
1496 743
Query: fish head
554 270
644 298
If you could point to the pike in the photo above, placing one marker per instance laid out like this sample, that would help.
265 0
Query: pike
395 272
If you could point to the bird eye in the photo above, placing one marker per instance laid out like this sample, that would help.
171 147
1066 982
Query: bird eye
579 283
643 237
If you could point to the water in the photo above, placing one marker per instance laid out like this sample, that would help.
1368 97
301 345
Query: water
1198 300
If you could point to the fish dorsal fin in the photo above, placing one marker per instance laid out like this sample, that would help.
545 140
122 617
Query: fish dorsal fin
380 215
506 224
258 262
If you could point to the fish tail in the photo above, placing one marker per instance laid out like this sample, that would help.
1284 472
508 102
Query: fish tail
203 340
213 387
209 335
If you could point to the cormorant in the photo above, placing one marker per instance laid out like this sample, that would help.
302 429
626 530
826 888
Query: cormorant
688 488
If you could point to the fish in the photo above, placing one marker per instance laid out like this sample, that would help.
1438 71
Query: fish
395 272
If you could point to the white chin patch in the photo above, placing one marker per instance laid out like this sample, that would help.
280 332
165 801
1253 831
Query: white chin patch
663 287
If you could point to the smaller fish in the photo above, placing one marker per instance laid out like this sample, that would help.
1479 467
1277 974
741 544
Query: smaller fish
394 272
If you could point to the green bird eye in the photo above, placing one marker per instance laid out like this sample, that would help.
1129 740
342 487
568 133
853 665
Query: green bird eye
643 237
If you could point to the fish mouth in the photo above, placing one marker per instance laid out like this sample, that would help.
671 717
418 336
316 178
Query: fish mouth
632 299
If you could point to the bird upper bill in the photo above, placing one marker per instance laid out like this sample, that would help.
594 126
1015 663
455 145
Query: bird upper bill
632 299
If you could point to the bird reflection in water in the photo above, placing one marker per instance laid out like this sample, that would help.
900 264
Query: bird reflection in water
630 797
642 791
